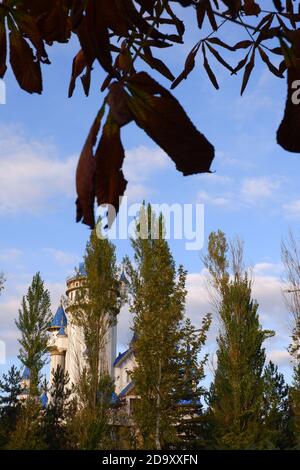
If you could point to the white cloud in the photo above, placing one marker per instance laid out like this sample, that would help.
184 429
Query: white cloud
31 174
292 209
226 160
10 302
140 163
136 192
62 257
198 300
206 197
215 178
10 254
280 357
267 289
8 330
251 191
254 189
267 268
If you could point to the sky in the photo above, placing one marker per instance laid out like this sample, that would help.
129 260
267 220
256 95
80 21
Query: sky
253 193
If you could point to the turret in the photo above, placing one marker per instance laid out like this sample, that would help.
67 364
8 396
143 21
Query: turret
59 320
58 341
25 383
124 285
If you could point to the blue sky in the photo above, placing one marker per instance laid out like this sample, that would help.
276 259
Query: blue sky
254 192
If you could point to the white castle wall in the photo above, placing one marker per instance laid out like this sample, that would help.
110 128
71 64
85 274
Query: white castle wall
122 371
69 351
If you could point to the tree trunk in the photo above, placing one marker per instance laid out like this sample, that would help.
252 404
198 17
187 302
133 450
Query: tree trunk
157 430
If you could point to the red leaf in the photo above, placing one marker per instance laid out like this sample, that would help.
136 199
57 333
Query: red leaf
156 64
93 36
219 58
54 23
26 69
188 66
161 116
117 100
85 175
27 25
3 49
110 182
251 8
131 14
208 69
288 136
269 64
79 64
248 70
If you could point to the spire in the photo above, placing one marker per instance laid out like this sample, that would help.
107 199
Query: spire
44 400
124 284
80 271
26 374
59 319
123 278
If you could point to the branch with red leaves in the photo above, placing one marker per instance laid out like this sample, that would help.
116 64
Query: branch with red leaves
121 35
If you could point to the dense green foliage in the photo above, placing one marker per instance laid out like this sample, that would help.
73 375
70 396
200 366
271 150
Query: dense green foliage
96 306
247 406
33 322
10 388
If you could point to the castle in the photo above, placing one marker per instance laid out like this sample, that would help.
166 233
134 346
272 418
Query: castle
67 349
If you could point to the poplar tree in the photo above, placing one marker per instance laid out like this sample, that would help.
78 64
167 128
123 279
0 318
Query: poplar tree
158 300
236 395
95 311
33 322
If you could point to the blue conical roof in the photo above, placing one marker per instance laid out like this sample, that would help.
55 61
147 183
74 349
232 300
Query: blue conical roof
26 374
60 318
123 278
62 331
44 400
114 399
81 270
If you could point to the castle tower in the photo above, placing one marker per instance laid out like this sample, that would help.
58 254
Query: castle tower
25 384
66 344
75 358
58 341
